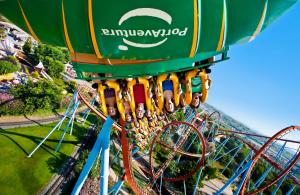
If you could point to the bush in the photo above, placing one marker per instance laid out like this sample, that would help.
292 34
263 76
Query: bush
42 51
211 172
9 106
7 67
13 107
54 67
71 86
13 60
44 95
27 47
35 74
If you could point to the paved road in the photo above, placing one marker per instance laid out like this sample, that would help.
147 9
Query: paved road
24 121
29 122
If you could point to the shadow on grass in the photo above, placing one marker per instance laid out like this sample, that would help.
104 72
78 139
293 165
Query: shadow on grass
17 144
55 163
35 139
34 121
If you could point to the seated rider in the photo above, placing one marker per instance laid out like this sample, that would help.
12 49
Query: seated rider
140 100
110 100
126 103
151 119
168 95
197 86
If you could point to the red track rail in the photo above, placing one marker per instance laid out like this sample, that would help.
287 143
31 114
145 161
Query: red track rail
262 136
93 109
127 162
125 147
272 162
259 153
263 148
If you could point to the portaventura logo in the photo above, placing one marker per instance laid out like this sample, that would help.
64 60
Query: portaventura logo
161 34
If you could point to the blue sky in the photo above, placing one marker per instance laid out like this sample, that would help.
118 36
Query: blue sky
260 84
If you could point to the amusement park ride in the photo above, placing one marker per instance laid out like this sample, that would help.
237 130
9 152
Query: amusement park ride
147 59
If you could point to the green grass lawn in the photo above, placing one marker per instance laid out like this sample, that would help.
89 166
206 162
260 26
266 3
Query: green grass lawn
22 175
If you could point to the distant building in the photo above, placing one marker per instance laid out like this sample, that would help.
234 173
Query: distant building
69 70
40 68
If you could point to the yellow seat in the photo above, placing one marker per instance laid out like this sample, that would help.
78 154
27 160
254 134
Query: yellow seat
160 99
114 85
188 82
130 85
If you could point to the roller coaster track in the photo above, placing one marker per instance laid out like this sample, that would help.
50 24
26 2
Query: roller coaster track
259 154
127 158
181 151
175 150
93 109
126 152
255 135
124 142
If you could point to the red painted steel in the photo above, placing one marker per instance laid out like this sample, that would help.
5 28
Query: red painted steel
272 162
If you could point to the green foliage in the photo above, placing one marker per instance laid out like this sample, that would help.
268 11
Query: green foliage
228 173
13 107
54 67
27 47
13 60
42 51
66 53
210 172
71 86
26 70
161 153
52 57
180 115
35 74
81 161
40 95
7 67
287 185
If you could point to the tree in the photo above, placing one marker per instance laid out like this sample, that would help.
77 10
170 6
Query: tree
52 57
7 67
54 67
39 95
27 47
42 51
211 172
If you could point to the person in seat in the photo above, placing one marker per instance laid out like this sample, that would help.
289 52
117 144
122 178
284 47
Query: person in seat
197 86
168 96
124 94
140 100
110 100
150 118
